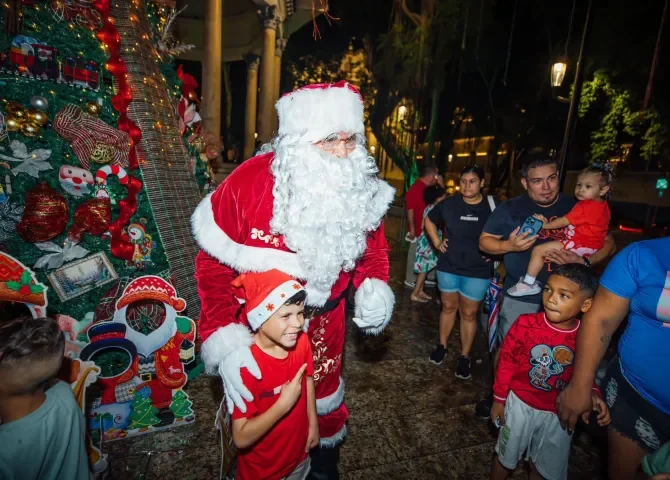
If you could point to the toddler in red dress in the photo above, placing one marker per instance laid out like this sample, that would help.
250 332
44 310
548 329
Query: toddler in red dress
280 425
586 226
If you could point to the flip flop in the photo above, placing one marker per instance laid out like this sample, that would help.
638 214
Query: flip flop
418 299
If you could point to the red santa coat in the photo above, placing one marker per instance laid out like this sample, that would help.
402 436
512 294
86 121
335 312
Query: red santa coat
232 226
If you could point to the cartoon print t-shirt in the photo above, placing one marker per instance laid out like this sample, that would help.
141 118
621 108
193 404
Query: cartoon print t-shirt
536 361
641 274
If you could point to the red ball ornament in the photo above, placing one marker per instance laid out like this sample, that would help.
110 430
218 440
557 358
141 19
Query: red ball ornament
92 217
45 215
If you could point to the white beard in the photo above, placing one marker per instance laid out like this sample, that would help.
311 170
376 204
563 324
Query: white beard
324 206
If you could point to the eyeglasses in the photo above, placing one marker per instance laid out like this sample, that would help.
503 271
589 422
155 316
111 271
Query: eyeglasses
331 142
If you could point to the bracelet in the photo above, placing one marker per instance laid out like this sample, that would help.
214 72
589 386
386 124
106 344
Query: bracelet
587 262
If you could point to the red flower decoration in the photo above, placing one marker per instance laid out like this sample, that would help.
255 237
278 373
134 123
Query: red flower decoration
283 295
269 307
296 286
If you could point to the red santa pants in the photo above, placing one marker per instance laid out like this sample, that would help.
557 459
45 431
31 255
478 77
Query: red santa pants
326 333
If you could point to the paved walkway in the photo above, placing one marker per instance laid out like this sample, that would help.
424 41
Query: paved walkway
409 418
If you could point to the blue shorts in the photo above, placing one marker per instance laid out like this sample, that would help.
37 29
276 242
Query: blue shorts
471 288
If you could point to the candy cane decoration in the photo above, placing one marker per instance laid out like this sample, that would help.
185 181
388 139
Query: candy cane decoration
101 179
121 248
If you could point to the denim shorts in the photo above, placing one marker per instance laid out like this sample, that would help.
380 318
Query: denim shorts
471 288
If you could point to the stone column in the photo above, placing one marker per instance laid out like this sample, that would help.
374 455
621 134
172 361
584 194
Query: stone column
253 61
280 46
269 17
212 67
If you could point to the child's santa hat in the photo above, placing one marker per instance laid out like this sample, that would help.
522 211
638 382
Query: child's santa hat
263 294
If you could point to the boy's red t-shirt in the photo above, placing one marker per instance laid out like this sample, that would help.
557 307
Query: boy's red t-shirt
282 449
414 201
591 222
536 361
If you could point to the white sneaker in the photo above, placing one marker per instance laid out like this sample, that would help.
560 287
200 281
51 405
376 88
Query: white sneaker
410 284
522 289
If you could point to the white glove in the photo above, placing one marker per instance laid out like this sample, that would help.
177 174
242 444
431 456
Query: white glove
234 388
374 306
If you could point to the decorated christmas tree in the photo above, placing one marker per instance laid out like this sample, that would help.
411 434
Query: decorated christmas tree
144 413
181 405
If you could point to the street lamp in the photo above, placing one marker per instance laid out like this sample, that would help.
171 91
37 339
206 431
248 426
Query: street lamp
372 149
402 111
558 73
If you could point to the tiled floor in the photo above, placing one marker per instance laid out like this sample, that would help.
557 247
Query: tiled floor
409 418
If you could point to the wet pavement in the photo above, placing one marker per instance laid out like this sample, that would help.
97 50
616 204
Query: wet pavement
409 419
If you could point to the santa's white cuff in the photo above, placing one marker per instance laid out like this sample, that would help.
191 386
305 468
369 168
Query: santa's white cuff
222 342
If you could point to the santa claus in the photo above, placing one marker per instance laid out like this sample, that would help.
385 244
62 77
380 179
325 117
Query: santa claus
311 206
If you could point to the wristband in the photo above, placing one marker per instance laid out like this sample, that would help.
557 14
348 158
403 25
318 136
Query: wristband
587 262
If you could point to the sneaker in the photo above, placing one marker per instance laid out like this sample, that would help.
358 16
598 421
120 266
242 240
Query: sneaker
463 368
410 284
438 354
483 408
522 289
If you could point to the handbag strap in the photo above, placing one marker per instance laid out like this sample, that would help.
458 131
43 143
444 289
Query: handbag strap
492 202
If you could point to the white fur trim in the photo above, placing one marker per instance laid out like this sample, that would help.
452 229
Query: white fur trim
335 440
316 298
383 199
222 342
328 404
277 297
315 113
381 288
240 257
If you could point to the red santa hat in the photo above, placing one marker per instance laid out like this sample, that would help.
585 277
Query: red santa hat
151 287
263 294
316 111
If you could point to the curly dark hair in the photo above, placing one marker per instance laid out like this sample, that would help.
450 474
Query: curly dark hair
31 353
580 274
297 298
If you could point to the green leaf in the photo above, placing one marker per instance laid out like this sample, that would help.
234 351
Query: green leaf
26 278
36 289
15 286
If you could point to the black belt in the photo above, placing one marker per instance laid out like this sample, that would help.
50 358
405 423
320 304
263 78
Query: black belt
311 312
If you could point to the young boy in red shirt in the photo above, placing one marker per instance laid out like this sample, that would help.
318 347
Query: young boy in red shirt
280 425
535 365
586 226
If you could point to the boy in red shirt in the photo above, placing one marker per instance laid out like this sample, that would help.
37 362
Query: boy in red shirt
535 365
587 226
280 425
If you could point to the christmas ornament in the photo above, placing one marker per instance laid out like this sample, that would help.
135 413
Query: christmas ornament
82 12
75 181
10 215
81 276
58 255
30 129
84 132
29 57
93 108
120 247
39 102
45 215
92 217
39 117
32 163
19 284
143 242
102 154
12 123
16 109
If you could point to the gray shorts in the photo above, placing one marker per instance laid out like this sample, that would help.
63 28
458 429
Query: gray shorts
510 310
301 471
538 435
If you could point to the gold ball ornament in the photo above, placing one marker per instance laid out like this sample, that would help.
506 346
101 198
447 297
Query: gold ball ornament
30 129
12 123
93 108
39 117
19 111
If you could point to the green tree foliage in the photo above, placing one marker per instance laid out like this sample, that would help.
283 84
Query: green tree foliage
620 121
181 405
144 413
